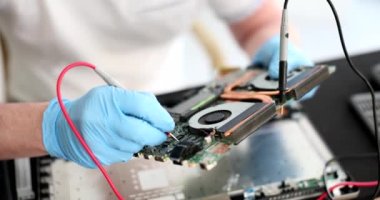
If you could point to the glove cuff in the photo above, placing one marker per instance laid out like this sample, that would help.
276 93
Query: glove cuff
49 128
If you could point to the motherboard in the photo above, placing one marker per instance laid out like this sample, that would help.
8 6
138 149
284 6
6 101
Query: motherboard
226 111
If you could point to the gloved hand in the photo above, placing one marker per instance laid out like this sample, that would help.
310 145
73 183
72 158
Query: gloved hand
269 54
114 122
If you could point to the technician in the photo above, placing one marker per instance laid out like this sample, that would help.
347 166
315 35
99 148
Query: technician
143 44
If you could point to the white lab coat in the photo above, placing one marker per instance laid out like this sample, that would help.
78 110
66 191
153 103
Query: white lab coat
146 45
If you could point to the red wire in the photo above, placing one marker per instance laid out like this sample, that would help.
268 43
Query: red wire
75 130
357 184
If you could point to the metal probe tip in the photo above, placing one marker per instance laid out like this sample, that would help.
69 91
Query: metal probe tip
171 135
112 82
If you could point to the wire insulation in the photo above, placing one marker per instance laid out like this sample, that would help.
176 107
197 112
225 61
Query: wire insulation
341 158
75 130
349 184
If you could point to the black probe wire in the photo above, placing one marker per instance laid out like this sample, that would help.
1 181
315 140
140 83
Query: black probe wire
367 83
369 86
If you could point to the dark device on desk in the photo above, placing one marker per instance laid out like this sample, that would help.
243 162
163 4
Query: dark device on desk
362 104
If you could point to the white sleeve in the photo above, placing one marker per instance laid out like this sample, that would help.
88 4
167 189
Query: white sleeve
234 10
2 4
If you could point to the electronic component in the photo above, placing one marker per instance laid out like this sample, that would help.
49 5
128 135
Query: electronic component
295 189
225 112
194 104
300 80
264 82
183 151
232 118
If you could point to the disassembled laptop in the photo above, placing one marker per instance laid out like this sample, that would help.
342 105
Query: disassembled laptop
227 111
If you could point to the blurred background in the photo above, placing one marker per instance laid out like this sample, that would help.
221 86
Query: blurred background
317 30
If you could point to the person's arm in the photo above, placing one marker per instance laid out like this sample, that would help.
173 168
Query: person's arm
115 124
20 130
261 25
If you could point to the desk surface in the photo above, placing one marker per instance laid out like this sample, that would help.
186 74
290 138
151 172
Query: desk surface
342 130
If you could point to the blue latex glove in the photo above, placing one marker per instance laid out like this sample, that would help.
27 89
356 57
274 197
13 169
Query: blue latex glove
269 55
114 122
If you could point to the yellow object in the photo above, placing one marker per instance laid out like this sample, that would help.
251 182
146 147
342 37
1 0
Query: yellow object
211 45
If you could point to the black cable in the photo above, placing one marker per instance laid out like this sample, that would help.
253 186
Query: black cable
340 158
369 86
367 83
286 4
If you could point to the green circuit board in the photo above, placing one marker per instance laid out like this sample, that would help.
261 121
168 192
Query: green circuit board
207 150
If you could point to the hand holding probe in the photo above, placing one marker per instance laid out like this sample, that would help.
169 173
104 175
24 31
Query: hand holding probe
113 82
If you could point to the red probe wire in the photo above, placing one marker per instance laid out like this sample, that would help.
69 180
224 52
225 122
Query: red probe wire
357 184
75 130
